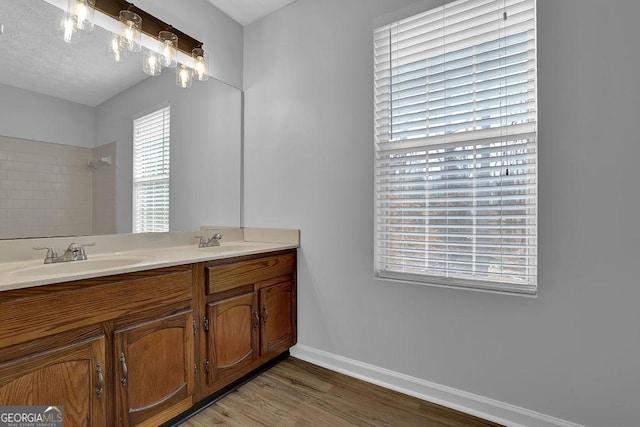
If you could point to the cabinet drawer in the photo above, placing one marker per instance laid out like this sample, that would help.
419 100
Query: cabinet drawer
91 301
223 277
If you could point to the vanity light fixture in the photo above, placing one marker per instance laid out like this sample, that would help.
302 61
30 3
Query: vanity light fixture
84 11
131 34
116 50
78 16
200 64
183 76
151 63
169 48
161 43
67 28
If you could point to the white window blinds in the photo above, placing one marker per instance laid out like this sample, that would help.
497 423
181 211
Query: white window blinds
456 147
151 142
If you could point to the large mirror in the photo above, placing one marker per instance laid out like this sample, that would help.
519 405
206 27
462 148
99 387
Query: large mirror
66 131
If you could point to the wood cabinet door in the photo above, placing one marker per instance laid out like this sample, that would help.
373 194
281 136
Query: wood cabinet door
278 317
154 369
71 376
232 337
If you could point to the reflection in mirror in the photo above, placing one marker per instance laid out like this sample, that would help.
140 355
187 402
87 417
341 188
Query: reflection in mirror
66 127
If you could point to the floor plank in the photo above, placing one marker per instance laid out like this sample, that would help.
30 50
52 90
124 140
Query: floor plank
297 393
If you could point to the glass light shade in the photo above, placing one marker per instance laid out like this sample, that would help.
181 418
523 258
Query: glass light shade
116 49
84 11
201 64
68 29
151 63
169 49
130 30
183 76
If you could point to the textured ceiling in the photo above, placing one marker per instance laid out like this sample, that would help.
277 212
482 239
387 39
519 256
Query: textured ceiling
33 58
248 11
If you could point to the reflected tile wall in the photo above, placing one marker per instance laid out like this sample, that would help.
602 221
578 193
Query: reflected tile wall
45 189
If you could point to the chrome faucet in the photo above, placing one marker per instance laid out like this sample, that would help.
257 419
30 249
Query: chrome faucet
207 243
75 252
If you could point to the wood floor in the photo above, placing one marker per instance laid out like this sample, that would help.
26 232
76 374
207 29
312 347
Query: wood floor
297 393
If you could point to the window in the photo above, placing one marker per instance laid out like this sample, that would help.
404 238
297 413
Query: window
456 146
151 141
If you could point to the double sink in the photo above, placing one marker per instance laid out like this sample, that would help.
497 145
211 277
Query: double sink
132 260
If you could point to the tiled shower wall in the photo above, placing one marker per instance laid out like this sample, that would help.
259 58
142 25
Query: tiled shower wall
104 190
45 189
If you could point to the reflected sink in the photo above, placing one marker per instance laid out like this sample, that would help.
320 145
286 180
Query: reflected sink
79 266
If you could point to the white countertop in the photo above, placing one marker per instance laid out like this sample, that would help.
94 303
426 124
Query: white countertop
140 253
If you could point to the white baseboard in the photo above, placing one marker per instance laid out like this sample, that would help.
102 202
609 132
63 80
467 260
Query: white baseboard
473 404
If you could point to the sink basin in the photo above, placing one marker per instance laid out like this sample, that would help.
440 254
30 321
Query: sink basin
224 248
78 266
232 247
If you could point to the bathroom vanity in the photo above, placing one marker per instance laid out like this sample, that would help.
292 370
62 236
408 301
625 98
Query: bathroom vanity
141 344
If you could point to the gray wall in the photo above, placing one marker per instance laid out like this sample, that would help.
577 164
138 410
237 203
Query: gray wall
571 353
205 148
29 115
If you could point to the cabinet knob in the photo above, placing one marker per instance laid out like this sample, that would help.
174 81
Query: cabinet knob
265 314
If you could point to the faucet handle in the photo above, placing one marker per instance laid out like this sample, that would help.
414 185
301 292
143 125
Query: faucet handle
75 252
73 246
206 243
82 255
51 253
215 239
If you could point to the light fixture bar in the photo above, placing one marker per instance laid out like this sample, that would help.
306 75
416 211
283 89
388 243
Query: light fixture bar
151 25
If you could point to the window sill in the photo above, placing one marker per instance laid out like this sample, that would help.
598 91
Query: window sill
477 286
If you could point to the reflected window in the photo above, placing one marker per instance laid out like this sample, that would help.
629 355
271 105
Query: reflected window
151 148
